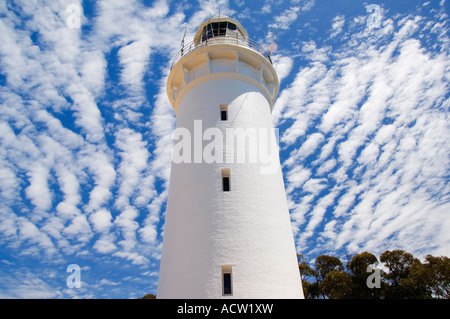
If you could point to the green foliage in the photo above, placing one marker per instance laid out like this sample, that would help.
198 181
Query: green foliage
325 264
437 276
337 284
405 277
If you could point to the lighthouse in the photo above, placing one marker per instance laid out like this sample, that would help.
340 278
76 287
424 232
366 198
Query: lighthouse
227 230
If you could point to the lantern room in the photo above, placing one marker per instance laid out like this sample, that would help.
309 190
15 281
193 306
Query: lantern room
220 27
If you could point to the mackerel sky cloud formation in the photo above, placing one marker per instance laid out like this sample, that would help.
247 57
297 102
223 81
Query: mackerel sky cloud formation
85 132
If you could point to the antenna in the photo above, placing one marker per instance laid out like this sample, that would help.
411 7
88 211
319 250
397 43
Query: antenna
182 41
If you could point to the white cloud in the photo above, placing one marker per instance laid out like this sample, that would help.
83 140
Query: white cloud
317 215
107 282
163 123
133 58
135 258
284 20
149 231
315 185
311 85
313 53
337 25
93 69
266 8
28 231
282 65
296 177
133 152
326 166
128 226
9 185
38 191
104 176
79 229
101 220
307 148
376 115
70 187
87 114
25 284
105 244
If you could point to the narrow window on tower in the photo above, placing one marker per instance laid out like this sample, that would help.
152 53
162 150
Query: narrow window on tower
223 112
227 286
226 179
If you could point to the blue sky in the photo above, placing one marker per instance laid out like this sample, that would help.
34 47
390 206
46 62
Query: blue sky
85 125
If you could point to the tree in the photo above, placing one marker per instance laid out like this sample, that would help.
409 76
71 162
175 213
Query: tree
324 264
399 264
337 284
310 290
358 268
406 277
436 271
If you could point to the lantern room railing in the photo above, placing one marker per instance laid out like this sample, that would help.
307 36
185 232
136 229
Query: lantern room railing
219 40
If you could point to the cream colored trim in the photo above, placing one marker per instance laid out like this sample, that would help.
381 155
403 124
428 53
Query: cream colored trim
179 72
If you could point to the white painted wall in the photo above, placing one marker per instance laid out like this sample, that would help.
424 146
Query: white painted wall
248 227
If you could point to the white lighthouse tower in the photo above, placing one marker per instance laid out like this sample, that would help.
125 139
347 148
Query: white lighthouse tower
227 230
